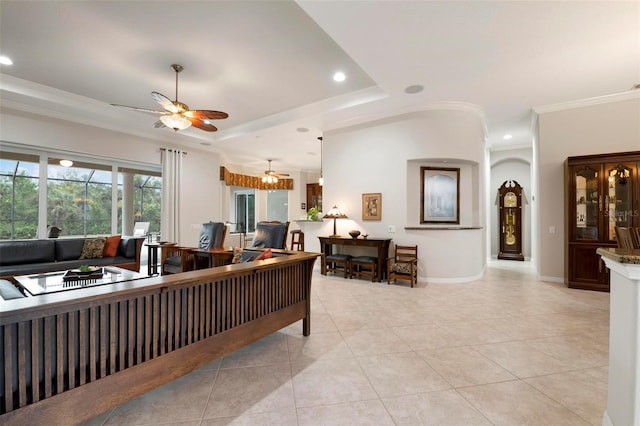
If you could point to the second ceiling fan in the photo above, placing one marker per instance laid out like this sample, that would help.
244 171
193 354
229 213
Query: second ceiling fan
177 115
270 176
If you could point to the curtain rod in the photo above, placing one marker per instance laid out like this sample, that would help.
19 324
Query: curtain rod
172 150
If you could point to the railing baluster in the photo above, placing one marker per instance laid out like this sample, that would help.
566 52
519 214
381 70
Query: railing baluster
59 353
82 347
35 360
8 368
151 343
48 352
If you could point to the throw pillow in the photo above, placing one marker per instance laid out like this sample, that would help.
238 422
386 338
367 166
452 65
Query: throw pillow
92 248
111 246
267 254
237 252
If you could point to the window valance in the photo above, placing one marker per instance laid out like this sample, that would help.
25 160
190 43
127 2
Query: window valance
236 179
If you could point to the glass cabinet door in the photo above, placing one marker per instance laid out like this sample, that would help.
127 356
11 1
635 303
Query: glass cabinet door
587 202
619 209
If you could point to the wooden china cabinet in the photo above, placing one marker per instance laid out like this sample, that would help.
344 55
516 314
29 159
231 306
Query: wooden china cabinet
314 195
601 193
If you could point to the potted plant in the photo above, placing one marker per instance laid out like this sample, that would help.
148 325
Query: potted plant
313 213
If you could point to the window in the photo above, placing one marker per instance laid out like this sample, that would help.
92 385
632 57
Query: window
243 209
278 205
147 196
79 198
19 186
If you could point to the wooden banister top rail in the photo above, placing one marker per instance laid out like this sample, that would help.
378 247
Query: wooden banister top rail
47 304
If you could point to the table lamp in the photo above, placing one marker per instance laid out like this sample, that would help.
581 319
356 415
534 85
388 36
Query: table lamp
334 214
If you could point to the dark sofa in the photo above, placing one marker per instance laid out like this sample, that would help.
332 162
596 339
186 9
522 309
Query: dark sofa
23 257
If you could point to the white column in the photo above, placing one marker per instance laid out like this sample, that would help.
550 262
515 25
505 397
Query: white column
623 402
127 203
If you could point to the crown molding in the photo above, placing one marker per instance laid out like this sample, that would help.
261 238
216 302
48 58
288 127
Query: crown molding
581 103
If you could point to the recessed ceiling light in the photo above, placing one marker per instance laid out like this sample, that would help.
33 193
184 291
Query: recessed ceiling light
302 129
5 60
339 76
66 163
415 88
507 136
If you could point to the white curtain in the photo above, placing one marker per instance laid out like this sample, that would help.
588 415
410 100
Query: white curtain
171 183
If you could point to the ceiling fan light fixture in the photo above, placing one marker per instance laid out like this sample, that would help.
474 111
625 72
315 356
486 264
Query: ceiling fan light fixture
175 122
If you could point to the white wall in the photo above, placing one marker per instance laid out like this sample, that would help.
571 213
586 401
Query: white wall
602 128
385 157
512 164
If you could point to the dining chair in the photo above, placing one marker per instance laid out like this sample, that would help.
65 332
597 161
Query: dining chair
624 238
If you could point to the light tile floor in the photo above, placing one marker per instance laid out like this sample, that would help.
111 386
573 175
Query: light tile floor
504 350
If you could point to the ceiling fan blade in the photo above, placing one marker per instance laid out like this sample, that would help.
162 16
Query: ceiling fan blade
165 102
205 114
158 124
153 111
202 125
282 174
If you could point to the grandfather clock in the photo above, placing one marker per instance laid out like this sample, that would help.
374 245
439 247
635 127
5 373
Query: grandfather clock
510 220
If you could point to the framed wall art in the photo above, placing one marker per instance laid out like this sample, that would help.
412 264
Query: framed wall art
439 195
372 206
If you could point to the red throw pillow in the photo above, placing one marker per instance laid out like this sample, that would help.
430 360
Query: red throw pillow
111 246
267 254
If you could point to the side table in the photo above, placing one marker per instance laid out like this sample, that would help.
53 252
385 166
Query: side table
153 260
208 258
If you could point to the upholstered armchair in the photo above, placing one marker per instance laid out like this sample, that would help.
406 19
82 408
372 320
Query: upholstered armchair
177 259
403 265
270 235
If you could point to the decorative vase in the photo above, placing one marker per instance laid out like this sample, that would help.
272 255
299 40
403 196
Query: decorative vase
354 233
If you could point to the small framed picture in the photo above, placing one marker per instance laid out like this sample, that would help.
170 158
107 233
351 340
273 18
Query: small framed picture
372 206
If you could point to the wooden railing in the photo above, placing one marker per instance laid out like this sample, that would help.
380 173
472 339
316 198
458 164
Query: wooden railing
70 356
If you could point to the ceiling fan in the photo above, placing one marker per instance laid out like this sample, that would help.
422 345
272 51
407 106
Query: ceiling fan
270 176
178 116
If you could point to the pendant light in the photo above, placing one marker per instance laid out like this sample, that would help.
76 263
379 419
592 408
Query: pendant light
321 180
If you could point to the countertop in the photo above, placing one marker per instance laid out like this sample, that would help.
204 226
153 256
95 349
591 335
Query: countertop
620 255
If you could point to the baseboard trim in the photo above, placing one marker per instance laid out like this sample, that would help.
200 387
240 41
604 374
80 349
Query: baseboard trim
551 279
456 280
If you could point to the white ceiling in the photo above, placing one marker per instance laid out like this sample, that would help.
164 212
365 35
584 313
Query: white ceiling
269 64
